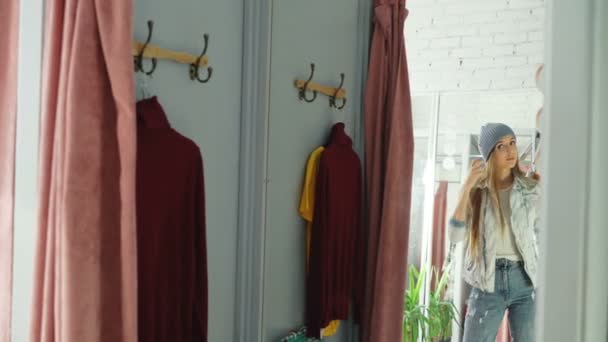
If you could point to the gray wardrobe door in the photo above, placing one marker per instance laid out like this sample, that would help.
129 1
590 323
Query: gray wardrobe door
303 32
209 114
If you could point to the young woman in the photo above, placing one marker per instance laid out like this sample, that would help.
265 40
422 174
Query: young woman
497 218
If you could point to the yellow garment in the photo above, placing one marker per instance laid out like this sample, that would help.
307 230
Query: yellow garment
307 208
331 329
307 201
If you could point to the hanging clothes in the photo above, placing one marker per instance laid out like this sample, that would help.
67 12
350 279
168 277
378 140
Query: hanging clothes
307 200
335 256
307 207
172 255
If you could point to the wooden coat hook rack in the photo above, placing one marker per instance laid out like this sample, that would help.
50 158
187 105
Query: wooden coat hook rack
334 94
141 50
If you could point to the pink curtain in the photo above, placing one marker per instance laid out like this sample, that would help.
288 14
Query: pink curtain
85 285
9 28
389 153
504 335
439 217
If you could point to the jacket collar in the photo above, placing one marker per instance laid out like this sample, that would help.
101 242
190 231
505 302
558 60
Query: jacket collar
338 135
150 114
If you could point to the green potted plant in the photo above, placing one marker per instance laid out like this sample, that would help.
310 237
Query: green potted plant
414 319
441 312
436 318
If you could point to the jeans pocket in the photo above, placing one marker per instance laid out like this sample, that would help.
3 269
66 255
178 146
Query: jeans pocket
523 281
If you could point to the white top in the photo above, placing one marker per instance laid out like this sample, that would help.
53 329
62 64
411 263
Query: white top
505 245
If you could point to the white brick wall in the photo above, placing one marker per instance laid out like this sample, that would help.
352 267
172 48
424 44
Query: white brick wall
474 44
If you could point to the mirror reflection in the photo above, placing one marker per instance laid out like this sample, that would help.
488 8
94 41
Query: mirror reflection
477 81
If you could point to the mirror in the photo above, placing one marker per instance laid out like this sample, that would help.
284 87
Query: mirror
470 63
447 128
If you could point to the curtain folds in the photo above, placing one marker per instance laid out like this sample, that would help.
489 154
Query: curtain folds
85 280
389 147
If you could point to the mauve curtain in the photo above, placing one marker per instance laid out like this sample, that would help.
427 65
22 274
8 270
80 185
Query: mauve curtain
9 32
85 282
504 335
439 217
389 150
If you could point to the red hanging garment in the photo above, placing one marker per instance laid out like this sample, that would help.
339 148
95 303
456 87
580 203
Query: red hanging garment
172 255
335 257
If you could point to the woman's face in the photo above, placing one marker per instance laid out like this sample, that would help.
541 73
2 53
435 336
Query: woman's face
505 153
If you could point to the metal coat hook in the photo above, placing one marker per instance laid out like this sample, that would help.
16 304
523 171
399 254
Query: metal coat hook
138 60
302 92
195 66
332 99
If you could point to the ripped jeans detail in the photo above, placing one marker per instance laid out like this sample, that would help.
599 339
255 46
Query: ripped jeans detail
514 294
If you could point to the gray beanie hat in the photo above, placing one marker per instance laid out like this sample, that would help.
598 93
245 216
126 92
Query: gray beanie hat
490 134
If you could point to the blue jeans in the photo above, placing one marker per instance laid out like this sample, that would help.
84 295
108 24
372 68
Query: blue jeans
514 291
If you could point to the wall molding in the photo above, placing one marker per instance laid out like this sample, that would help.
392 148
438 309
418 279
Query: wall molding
595 313
249 302
365 33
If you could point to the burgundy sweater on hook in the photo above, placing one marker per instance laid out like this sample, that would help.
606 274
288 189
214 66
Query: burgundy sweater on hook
171 241
335 276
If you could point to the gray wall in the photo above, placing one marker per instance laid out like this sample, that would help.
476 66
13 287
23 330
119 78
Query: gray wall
210 115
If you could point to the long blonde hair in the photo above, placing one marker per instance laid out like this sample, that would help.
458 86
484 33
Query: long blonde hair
474 202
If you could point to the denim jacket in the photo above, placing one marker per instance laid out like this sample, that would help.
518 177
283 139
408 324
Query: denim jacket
479 271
